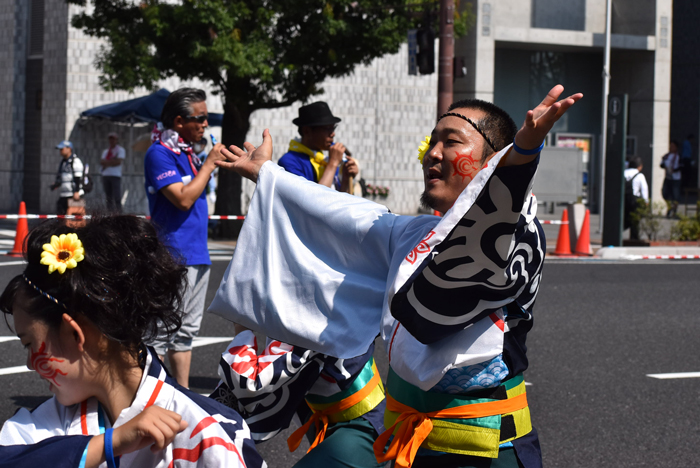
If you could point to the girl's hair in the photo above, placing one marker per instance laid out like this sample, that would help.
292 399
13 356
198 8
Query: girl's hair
128 284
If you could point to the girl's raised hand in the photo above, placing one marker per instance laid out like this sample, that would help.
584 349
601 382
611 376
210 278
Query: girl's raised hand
249 161
155 426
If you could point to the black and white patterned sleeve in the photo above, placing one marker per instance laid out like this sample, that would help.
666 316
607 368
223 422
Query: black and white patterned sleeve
492 256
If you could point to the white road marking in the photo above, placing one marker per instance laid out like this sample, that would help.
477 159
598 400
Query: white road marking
8 232
220 258
14 370
675 375
7 338
18 262
208 340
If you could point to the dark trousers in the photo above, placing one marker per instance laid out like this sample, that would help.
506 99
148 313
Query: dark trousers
113 192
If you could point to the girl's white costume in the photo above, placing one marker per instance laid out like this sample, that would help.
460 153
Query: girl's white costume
57 436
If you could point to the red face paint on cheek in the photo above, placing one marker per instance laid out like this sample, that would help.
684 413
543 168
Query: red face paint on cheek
42 364
464 165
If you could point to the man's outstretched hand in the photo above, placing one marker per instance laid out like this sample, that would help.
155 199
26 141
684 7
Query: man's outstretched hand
249 161
540 120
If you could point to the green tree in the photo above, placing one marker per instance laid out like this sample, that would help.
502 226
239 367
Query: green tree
258 54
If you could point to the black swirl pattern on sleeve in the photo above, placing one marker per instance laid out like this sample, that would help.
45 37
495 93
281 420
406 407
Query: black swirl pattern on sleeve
492 257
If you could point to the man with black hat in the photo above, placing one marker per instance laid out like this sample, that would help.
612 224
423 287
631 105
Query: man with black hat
305 156
69 177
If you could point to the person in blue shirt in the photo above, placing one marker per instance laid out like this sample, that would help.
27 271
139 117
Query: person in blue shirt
176 180
305 156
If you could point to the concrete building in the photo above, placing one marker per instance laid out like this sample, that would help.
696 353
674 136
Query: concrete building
519 49
52 78
516 51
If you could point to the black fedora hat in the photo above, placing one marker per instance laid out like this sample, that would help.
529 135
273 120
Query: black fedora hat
315 115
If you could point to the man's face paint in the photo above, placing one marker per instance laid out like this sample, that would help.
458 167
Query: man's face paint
465 166
41 363
452 160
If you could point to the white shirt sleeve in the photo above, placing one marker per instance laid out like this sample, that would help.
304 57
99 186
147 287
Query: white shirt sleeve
641 189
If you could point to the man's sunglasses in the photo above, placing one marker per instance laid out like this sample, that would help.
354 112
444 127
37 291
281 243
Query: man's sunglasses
200 119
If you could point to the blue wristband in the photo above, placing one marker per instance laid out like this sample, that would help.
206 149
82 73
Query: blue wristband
519 150
109 450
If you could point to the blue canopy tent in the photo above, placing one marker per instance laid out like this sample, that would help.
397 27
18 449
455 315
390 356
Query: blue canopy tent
138 112
142 109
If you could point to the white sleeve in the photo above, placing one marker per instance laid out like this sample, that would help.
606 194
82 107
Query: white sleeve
310 267
77 167
104 154
121 154
30 427
643 188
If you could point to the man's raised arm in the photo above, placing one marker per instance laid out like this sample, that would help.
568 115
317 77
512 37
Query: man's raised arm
538 122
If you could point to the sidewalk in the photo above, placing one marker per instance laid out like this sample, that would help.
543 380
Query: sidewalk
615 253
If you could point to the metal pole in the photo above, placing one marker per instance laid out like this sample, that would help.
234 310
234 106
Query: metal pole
446 54
604 120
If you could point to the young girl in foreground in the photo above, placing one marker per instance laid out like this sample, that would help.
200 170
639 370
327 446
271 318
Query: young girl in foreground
86 302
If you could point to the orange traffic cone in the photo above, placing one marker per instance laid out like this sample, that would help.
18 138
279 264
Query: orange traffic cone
563 241
21 234
583 246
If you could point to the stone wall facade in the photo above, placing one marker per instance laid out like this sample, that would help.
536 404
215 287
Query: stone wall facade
385 115
13 33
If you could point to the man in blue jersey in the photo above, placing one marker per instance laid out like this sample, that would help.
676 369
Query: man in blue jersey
176 180
305 156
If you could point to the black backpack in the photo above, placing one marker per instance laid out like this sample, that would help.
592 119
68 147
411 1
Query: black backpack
630 199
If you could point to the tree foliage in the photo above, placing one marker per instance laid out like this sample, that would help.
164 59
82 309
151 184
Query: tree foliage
258 54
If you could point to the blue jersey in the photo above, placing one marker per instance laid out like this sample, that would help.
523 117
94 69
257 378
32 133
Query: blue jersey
185 232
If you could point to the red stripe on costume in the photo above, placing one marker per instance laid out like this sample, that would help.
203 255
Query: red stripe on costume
193 454
155 393
203 424
83 417
391 344
499 323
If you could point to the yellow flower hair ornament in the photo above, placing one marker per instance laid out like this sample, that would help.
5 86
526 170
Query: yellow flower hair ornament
64 251
423 148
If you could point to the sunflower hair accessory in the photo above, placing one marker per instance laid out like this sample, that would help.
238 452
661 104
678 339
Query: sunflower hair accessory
45 294
423 148
64 251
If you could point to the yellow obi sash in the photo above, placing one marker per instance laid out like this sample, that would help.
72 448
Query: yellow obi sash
317 159
365 393
451 423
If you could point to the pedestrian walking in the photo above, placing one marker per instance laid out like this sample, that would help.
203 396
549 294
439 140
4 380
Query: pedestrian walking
69 179
671 189
636 195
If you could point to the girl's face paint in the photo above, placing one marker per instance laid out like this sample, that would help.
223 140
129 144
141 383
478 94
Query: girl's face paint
41 363
52 354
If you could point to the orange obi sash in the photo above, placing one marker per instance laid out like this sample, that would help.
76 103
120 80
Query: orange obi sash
453 428
365 393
